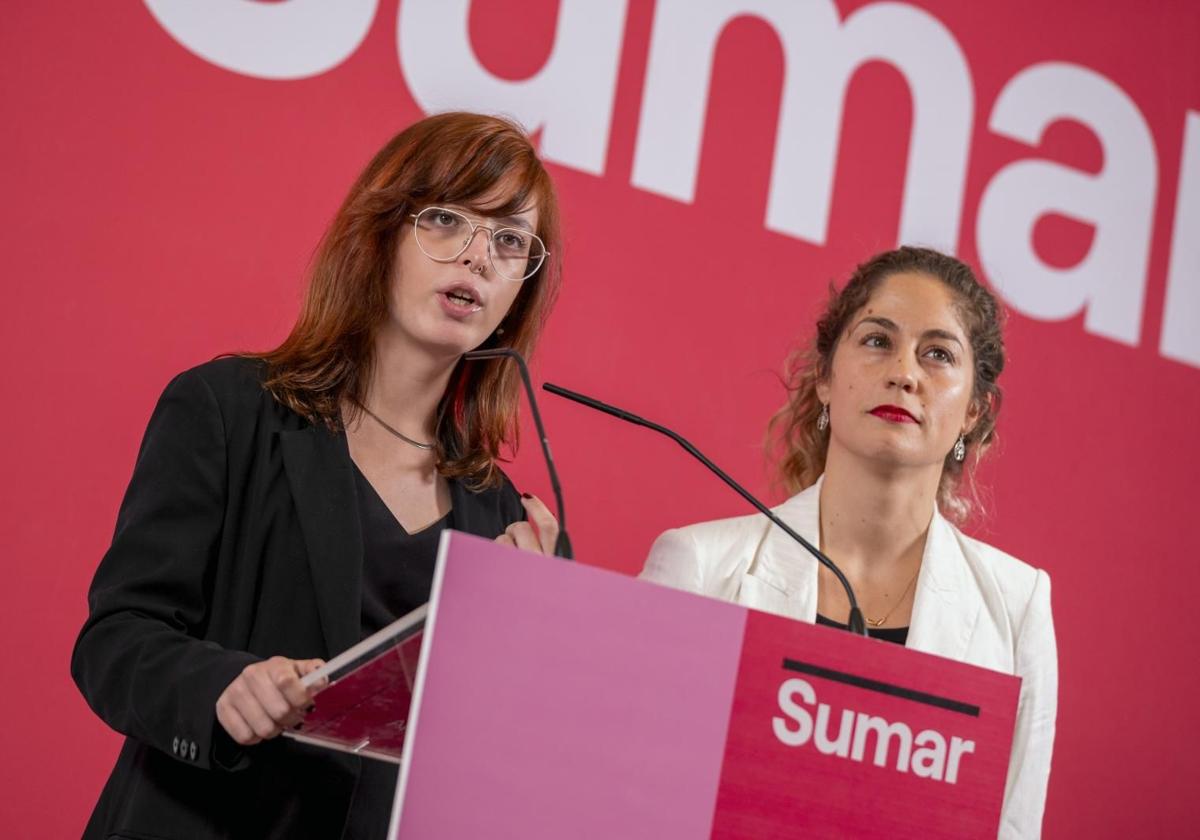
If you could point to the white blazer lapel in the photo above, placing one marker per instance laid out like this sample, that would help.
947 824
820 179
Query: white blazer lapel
782 576
947 601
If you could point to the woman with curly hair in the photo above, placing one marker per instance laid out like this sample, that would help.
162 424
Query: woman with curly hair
896 397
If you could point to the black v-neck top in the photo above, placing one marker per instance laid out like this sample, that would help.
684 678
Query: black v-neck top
397 566
279 491
397 577
898 635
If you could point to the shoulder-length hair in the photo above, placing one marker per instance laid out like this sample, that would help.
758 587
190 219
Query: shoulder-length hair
324 366
801 446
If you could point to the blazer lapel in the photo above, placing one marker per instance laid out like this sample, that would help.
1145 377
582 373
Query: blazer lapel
318 469
947 602
782 577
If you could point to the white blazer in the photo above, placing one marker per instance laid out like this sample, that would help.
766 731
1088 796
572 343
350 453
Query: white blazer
973 603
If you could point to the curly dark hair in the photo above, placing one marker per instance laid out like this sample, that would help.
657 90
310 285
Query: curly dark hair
793 429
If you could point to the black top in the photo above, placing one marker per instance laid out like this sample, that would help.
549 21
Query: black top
397 578
239 538
397 566
898 635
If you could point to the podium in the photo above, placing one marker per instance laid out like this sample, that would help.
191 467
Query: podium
554 700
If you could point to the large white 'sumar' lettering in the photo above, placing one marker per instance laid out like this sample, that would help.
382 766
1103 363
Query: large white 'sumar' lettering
570 101
1181 313
1109 282
928 754
821 55
570 98
292 39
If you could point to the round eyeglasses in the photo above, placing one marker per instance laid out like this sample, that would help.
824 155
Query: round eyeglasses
443 234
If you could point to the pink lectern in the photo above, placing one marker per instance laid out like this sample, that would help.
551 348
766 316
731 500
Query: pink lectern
555 700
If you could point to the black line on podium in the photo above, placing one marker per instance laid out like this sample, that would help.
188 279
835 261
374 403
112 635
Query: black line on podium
881 687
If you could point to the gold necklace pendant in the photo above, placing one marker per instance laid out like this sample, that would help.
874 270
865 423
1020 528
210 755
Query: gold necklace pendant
904 595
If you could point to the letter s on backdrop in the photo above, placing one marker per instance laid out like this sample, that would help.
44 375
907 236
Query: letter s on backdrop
787 704
293 39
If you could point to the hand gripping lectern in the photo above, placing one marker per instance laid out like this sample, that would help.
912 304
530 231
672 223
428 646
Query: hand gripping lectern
538 699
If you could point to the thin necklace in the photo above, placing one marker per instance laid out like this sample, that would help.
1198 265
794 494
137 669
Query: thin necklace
396 432
883 620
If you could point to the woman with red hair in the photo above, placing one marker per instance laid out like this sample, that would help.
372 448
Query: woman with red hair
285 505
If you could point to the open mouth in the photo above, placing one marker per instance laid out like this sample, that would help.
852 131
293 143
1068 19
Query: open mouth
462 298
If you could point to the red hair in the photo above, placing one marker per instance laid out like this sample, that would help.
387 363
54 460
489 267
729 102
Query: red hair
325 363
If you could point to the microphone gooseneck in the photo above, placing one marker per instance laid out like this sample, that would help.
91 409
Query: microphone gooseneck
562 546
856 624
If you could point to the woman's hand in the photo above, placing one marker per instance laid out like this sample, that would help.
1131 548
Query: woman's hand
266 698
538 533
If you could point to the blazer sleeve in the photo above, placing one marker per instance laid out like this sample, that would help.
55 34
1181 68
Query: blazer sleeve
140 661
1033 740
674 561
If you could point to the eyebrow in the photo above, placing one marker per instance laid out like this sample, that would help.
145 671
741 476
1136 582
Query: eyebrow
504 221
514 221
891 326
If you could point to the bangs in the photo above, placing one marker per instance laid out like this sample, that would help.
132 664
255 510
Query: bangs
511 193
481 163
494 175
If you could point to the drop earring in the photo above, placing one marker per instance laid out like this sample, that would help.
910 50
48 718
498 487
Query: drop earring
823 419
960 449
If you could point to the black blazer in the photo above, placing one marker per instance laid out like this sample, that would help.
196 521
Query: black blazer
238 539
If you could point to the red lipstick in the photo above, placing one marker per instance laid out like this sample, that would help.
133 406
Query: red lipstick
893 414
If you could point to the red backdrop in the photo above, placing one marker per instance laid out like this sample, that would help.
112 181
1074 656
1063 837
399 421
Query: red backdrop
166 179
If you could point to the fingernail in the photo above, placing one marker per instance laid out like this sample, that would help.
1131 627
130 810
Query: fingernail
526 495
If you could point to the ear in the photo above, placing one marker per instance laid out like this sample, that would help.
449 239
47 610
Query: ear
974 412
823 390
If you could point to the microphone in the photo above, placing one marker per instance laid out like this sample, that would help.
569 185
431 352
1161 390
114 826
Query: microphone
856 624
562 546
